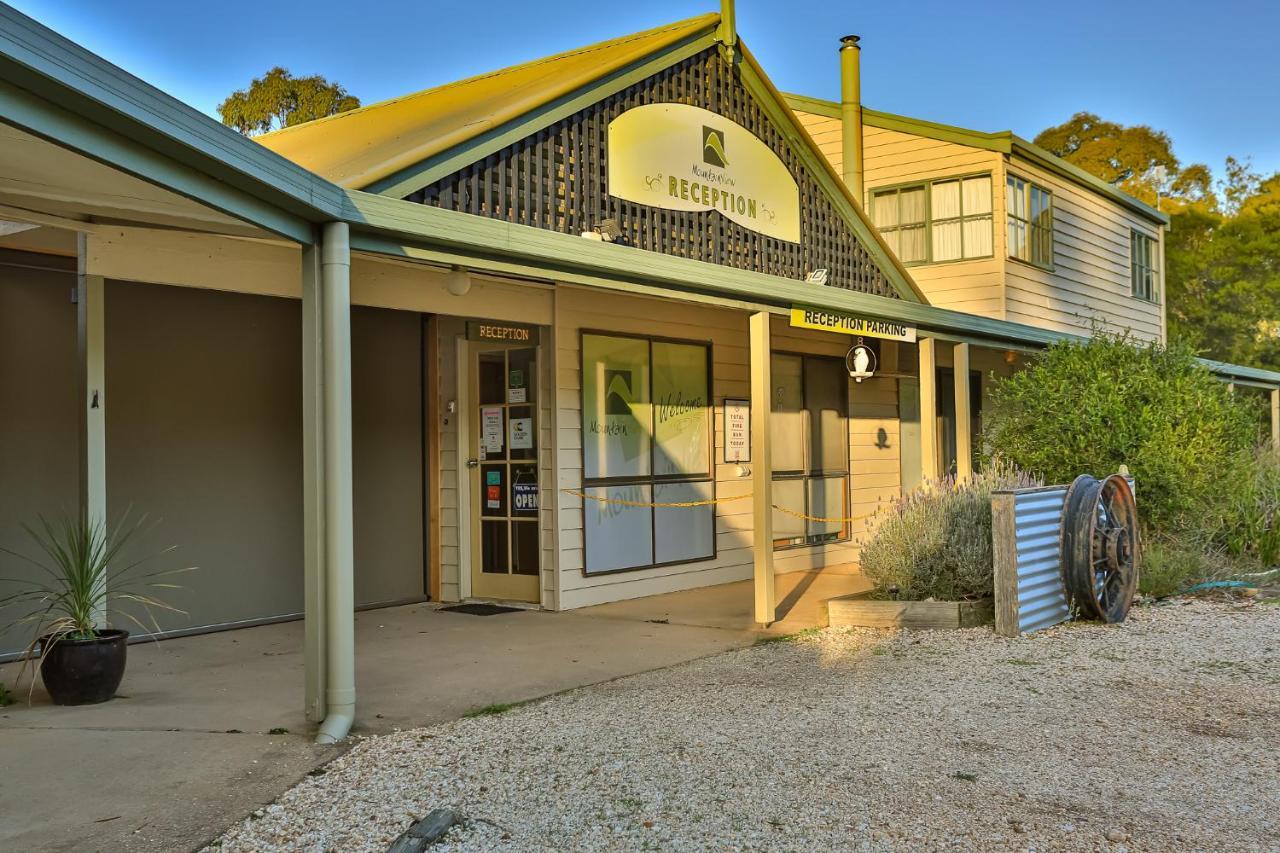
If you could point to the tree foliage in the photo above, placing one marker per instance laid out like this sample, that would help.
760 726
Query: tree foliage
1222 253
1094 406
1223 282
278 99
1124 156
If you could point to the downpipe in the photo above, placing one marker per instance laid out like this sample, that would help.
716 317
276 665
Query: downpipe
335 280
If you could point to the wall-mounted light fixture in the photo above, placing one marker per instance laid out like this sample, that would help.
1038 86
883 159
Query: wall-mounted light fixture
457 281
607 231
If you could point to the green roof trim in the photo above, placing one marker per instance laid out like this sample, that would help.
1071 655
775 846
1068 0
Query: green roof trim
935 130
817 106
1053 163
1004 142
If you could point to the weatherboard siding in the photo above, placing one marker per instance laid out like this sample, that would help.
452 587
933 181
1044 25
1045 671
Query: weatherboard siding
892 158
874 457
1090 280
1089 283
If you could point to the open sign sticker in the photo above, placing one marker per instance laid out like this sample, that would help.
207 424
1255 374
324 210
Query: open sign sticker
524 497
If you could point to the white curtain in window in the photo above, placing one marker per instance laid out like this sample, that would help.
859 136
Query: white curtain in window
977 196
1018 240
946 241
913 242
946 200
977 237
913 209
885 210
1017 199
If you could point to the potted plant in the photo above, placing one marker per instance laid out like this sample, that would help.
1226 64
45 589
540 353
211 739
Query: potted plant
82 581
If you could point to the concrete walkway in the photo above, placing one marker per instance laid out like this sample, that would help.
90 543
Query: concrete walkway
187 748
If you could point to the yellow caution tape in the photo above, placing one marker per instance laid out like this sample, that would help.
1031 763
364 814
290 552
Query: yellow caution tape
673 504
708 502
819 518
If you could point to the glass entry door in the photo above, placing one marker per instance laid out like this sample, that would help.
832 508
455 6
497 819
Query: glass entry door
503 464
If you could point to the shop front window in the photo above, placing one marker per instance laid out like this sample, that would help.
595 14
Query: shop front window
646 439
810 445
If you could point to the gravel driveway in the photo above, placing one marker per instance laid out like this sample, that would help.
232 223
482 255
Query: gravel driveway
1159 734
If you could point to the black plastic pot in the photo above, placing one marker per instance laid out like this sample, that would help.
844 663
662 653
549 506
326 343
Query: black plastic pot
84 672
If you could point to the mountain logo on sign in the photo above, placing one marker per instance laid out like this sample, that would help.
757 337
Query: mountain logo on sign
713 147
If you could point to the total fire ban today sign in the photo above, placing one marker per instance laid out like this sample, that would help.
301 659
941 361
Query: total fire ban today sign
737 430
849 324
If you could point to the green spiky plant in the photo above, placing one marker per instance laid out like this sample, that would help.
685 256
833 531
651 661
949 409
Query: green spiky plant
81 580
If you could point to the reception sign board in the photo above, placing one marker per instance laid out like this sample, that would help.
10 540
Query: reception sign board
682 157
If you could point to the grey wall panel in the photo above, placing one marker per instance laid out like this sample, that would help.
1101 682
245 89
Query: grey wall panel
204 427
387 454
39 467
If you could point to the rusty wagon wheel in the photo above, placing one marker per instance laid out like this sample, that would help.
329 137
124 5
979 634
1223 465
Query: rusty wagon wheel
1100 547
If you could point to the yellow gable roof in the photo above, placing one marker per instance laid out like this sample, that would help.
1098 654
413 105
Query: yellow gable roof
357 148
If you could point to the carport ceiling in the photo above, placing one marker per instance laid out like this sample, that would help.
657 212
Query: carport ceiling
43 178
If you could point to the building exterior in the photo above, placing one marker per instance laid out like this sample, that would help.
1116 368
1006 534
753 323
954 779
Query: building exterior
604 325
990 224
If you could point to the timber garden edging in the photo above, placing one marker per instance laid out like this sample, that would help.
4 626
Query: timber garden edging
861 611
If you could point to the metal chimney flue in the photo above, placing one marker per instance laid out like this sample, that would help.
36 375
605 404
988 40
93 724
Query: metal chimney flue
851 115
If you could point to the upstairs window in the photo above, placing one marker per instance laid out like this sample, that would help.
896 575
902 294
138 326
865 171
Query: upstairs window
1143 273
936 221
1030 222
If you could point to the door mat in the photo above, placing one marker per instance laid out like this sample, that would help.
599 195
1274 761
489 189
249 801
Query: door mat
480 609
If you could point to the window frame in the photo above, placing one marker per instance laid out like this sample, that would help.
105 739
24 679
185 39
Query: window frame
1152 267
650 479
1027 222
808 473
927 185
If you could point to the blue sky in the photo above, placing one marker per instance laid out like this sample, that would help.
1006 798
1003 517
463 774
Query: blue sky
1207 73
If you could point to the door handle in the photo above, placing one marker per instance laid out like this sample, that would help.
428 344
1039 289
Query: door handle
473 463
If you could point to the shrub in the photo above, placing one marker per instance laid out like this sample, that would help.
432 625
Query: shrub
1092 406
936 542
1243 521
1172 564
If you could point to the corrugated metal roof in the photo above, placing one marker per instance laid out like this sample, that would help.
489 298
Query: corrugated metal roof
357 148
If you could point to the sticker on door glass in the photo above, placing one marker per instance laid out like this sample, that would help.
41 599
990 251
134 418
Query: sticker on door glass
521 433
491 429
524 497
493 478
493 497
516 390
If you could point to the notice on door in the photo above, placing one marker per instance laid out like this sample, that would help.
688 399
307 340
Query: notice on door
521 433
737 431
491 429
